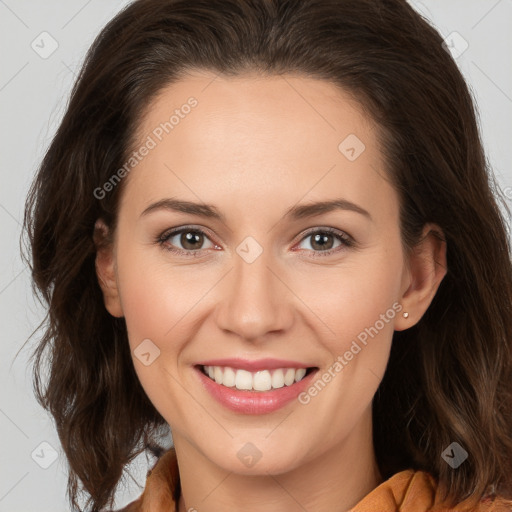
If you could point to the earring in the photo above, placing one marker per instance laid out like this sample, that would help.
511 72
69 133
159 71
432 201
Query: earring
405 314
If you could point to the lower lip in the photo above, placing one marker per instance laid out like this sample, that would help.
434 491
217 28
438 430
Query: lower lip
254 402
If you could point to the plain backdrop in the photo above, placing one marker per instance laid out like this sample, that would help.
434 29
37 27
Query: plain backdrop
35 82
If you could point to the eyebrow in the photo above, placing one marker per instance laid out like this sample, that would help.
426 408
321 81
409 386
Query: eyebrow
296 212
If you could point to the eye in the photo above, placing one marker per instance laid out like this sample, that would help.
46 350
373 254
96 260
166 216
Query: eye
191 241
323 239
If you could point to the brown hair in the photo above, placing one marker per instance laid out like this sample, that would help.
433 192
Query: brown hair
449 377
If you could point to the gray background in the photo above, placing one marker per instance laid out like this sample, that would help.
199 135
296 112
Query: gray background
33 94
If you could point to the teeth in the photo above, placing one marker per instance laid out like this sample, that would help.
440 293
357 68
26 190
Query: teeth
263 380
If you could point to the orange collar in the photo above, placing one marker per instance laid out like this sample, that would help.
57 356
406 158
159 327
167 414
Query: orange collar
406 491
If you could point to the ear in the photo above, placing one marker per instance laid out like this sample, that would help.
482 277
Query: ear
105 268
426 269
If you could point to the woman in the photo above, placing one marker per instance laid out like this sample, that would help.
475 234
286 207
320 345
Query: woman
269 226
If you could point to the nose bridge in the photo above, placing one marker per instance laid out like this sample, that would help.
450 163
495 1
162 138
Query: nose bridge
255 299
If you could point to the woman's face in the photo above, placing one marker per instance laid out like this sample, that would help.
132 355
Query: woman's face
265 277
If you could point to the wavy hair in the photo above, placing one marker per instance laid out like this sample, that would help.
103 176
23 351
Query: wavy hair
449 377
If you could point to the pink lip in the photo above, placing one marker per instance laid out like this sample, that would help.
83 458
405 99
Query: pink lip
254 402
254 366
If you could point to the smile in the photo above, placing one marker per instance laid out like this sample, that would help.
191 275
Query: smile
263 380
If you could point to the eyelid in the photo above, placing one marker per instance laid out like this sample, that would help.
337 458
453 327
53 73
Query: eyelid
325 229
346 241
168 233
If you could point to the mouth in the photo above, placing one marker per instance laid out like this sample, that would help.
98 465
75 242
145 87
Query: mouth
255 381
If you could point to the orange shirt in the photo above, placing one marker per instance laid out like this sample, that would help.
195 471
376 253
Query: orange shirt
406 491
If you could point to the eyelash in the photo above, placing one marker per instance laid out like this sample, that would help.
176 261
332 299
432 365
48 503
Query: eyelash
346 241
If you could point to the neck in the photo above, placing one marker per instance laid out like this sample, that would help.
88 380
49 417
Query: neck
336 479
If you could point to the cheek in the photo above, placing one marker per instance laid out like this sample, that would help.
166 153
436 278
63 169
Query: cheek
355 298
147 296
143 308
160 300
358 310
152 314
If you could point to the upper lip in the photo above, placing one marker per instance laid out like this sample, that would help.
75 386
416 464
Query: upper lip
255 365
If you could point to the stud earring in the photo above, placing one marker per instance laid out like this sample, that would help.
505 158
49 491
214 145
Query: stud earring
405 314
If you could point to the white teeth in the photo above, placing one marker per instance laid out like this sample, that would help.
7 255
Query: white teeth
299 374
278 379
263 380
229 377
289 376
218 374
243 379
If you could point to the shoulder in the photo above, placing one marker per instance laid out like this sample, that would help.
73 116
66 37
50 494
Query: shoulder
494 504
417 491
497 504
162 486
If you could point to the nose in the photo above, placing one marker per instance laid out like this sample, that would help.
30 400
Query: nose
254 300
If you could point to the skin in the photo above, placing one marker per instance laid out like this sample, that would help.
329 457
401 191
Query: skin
253 147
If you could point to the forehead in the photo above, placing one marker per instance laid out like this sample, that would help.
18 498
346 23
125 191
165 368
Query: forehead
255 105
264 137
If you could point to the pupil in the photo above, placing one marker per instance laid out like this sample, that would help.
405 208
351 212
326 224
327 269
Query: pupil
189 238
320 237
